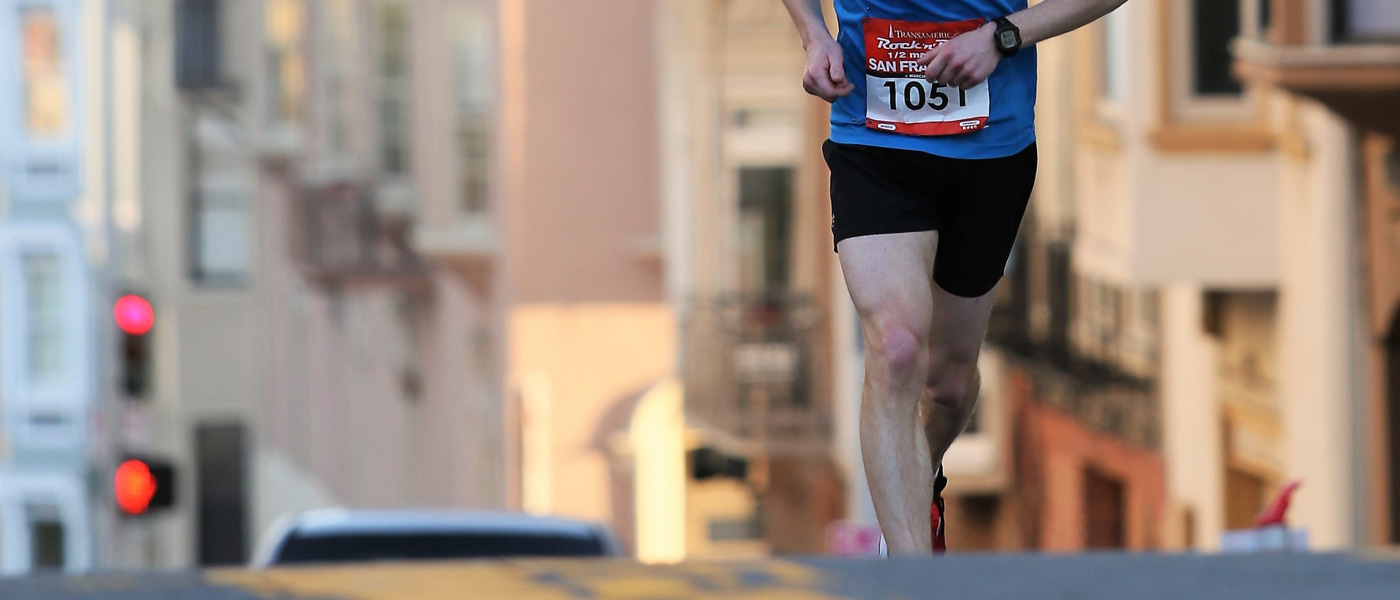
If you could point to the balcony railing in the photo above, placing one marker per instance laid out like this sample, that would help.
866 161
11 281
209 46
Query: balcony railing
347 237
1101 396
750 371
1241 385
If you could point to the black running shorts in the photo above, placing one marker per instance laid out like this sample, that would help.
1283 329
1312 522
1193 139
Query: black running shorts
976 206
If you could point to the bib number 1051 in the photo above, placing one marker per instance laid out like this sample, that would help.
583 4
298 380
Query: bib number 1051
898 97
918 94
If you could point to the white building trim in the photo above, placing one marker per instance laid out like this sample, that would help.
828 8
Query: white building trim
62 494
44 414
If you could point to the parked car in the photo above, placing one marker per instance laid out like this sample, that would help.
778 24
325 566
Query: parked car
341 536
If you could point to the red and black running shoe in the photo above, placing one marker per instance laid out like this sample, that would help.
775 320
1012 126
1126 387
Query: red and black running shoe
936 512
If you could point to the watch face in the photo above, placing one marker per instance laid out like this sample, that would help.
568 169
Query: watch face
1008 39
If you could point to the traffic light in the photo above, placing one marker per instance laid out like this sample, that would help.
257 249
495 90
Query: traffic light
142 485
135 318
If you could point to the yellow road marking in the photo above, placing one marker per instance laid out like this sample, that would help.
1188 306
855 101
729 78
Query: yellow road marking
535 580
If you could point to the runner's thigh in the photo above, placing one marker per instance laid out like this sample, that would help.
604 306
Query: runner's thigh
889 278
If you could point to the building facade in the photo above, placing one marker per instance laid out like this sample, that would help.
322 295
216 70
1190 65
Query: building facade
1212 225
1338 63
396 266
54 260
411 254
1199 309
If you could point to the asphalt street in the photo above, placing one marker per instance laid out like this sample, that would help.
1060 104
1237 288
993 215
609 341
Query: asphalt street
1040 577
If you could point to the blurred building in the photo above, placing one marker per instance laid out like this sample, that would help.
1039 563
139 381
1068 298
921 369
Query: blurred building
1330 72
1212 238
574 258
754 279
54 256
1066 449
403 254
411 254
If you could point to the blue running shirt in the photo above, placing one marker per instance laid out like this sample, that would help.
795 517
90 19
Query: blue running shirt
894 107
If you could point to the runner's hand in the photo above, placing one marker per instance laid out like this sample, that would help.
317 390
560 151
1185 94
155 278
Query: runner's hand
825 77
964 61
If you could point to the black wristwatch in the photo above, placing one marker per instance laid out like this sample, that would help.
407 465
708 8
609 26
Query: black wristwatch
1008 37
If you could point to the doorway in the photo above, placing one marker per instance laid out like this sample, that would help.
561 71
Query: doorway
1104 511
219 451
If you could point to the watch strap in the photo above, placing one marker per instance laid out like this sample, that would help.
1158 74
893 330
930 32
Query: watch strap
1004 24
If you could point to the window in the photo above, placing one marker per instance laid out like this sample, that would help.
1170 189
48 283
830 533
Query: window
1204 107
283 25
1215 24
46 537
45 306
335 62
1366 21
43 292
219 220
394 105
221 233
765 222
46 94
1115 43
197 58
472 93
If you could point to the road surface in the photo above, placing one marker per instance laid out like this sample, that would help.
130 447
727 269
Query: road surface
1019 577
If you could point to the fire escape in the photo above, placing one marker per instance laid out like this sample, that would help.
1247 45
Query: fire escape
751 371
353 235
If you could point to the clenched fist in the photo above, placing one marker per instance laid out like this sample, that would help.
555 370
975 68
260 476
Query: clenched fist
825 76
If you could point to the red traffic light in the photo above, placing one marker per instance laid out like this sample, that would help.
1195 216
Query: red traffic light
135 487
134 315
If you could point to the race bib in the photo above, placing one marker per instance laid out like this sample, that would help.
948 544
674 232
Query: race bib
897 96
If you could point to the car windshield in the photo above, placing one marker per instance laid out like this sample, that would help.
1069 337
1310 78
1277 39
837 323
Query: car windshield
432 546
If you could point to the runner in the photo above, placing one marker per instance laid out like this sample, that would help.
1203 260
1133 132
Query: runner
933 158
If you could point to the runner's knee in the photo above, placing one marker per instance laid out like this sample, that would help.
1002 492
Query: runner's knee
949 383
899 348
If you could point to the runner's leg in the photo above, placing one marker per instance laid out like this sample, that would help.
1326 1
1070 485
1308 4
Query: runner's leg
980 220
955 341
889 280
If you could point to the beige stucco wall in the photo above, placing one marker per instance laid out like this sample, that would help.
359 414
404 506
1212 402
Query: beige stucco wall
206 339
1191 443
580 365
1149 216
1314 355
588 198
1212 219
1317 309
